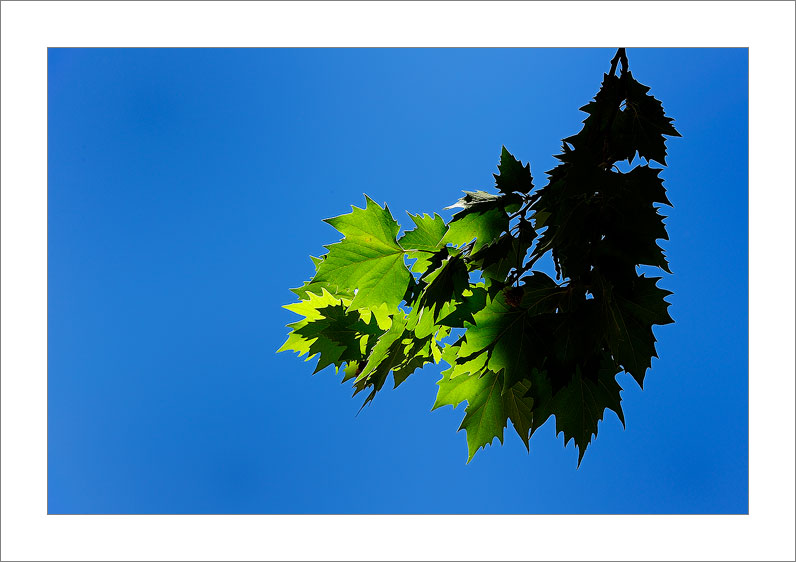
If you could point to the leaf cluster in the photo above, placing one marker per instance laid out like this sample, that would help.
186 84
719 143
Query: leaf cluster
520 346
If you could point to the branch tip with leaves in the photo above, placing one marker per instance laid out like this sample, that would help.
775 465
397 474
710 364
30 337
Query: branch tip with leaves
520 346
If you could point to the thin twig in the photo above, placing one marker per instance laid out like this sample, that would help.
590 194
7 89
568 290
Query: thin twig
619 56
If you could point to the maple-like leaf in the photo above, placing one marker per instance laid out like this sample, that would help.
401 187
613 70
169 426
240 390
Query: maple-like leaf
368 260
488 407
417 353
646 121
317 288
513 175
340 335
496 261
518 406
397 351
629 222
386 353
516 336
310 308
646 185
481 227
646 301
629 320
601 108
580 406
472 300
485 416
425 237
445 284
331 332
457 384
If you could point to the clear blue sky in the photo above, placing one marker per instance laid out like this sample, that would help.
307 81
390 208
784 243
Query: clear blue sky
186 192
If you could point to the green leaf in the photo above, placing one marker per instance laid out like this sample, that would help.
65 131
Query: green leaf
629 320
580 405
519 409
467 382
331 332
485 416
310 308
446 283
514 332
309 287
496 261
381 314
646 185
417 353
339 335
426 236
513 176
352 370
397 351
386 353
646 121
456 386
317 288
368 260
629 222
646 301
541 393
473 299
483 227
421 321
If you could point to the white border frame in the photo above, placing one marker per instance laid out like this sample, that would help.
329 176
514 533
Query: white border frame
28 28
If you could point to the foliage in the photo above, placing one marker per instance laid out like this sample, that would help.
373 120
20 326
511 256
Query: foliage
524 346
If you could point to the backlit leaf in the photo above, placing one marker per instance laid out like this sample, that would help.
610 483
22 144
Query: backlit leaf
368 260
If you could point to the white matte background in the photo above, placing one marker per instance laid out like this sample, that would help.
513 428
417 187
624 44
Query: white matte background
28 28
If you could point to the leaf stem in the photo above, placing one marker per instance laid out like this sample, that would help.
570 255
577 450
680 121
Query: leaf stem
619 56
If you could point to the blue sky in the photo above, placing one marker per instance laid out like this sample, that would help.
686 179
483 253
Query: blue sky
186 190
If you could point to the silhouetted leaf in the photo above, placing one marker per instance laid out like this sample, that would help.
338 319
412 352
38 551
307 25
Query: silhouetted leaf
513 175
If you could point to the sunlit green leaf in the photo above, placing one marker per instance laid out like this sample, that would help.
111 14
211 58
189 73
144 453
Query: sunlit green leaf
369 260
